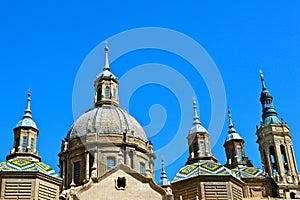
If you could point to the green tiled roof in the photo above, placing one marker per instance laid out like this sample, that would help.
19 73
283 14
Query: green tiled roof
248 172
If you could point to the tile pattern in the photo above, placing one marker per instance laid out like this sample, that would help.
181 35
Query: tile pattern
27 165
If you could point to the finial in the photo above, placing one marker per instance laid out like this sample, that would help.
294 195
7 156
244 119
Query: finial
106 62
28 110
229 117
196 117
262 78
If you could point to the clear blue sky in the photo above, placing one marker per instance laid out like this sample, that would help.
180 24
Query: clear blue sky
42 46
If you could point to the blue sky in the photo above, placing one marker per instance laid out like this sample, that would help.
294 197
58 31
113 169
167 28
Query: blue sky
43 45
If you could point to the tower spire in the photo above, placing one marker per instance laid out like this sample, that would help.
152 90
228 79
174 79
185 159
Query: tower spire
196 117
106 85
234 147
269 114
24 140
28 110
106 62
231 125
164 181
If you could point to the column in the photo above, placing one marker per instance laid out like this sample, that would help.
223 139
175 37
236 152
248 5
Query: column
87 165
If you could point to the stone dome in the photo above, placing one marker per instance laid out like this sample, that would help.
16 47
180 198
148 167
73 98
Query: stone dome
106 120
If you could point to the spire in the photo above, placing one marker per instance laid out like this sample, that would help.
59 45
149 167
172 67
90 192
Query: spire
106 62
27 117
28 110
106 85
231 126
196 117
269 115
232 134
163 172
164 181
196 127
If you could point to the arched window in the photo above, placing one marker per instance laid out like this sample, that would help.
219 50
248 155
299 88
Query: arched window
107 92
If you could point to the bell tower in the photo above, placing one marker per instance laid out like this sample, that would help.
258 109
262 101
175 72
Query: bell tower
276 146
199 141
106 86
25 136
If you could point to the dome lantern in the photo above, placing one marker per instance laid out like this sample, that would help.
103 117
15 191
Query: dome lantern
106 85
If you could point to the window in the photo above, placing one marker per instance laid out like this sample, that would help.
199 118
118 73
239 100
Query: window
239 154
110 163
284 159
31 144
195 149
107 92
121 183
99 94
142 169
202 148
24 144
232 155
76 173
273 160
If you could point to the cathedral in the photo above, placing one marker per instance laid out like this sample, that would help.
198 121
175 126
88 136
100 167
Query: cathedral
106 155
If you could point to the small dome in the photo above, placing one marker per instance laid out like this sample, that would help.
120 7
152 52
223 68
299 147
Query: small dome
107 74
271 120
233 136
106 120
197 128
197 169
265 94
27 165
26 122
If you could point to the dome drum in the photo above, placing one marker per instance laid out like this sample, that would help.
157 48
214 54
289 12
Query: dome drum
91 141
93 157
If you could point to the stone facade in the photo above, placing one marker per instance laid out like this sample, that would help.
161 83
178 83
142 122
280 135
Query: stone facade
30 186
